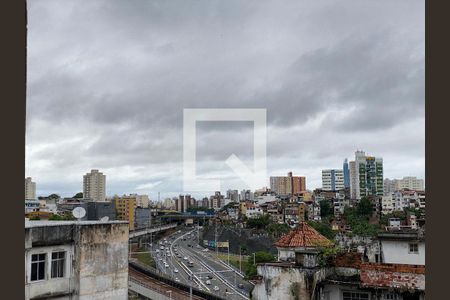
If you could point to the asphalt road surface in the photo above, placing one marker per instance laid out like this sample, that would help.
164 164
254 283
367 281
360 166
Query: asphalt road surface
207 272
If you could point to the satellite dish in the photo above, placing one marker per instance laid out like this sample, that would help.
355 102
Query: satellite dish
104 219
78 212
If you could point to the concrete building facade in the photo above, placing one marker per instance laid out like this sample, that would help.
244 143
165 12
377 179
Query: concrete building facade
94 186
66 260
30 189
366 176
288 185
332 179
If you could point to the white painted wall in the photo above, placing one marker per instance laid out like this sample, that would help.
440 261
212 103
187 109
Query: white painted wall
397 252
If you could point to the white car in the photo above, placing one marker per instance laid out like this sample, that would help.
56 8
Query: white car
208 282
216 288
176 270
168 254
166 265
162 247
176 279
205 250
186 258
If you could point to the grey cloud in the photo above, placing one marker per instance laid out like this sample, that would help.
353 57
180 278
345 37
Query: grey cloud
117 74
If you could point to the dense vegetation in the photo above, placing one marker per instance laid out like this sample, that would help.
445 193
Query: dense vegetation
257 257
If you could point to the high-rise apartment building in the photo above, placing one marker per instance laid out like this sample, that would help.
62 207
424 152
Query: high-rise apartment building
183 203
366 176
288 185
409 183
94 186
346 173
125 209
332 179
30 189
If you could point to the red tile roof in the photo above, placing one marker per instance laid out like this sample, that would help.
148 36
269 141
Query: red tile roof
303 236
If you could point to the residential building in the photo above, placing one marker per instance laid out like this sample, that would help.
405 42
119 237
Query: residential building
142 217
182 203
169 203
141 200
348 276
246 195
94 186
332 179
253 211
387 204
233 195
389 186
66 260
302 238
366 176
101 210
125 209
288 185
402 247
406 183
411 183
346 173
217 201
30 189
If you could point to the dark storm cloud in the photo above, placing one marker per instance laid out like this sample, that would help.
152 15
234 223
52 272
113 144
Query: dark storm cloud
108 81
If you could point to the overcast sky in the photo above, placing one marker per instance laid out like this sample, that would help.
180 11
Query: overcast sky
107 82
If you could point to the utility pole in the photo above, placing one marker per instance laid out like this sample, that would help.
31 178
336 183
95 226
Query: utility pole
190 286
228 242
240 259
215 237
254 258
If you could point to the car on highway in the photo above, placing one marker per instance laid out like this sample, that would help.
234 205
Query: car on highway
190 264
210 276
177 279
216 288
157 250
205 250
168 255
240 285
175 270
162 247
208 282
166 265
186 258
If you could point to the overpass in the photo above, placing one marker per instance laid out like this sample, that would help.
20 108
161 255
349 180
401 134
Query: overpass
144 231
150 284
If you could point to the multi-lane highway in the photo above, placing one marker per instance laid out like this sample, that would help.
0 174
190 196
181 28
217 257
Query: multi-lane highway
180 257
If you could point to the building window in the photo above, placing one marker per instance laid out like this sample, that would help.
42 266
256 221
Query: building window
390 297
414 248
355 296
58 262
38 266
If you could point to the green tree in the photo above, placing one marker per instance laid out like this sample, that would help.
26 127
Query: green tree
78 195
259 222
325 208
54 196
256 258
323 228
364 208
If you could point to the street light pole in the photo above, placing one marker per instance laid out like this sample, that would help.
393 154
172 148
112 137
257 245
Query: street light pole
170 294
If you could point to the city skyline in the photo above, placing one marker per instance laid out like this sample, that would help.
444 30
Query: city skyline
115 103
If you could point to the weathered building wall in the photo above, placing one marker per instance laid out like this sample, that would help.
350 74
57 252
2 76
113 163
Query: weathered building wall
286 283
95 263
398 252
103 261
407 277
